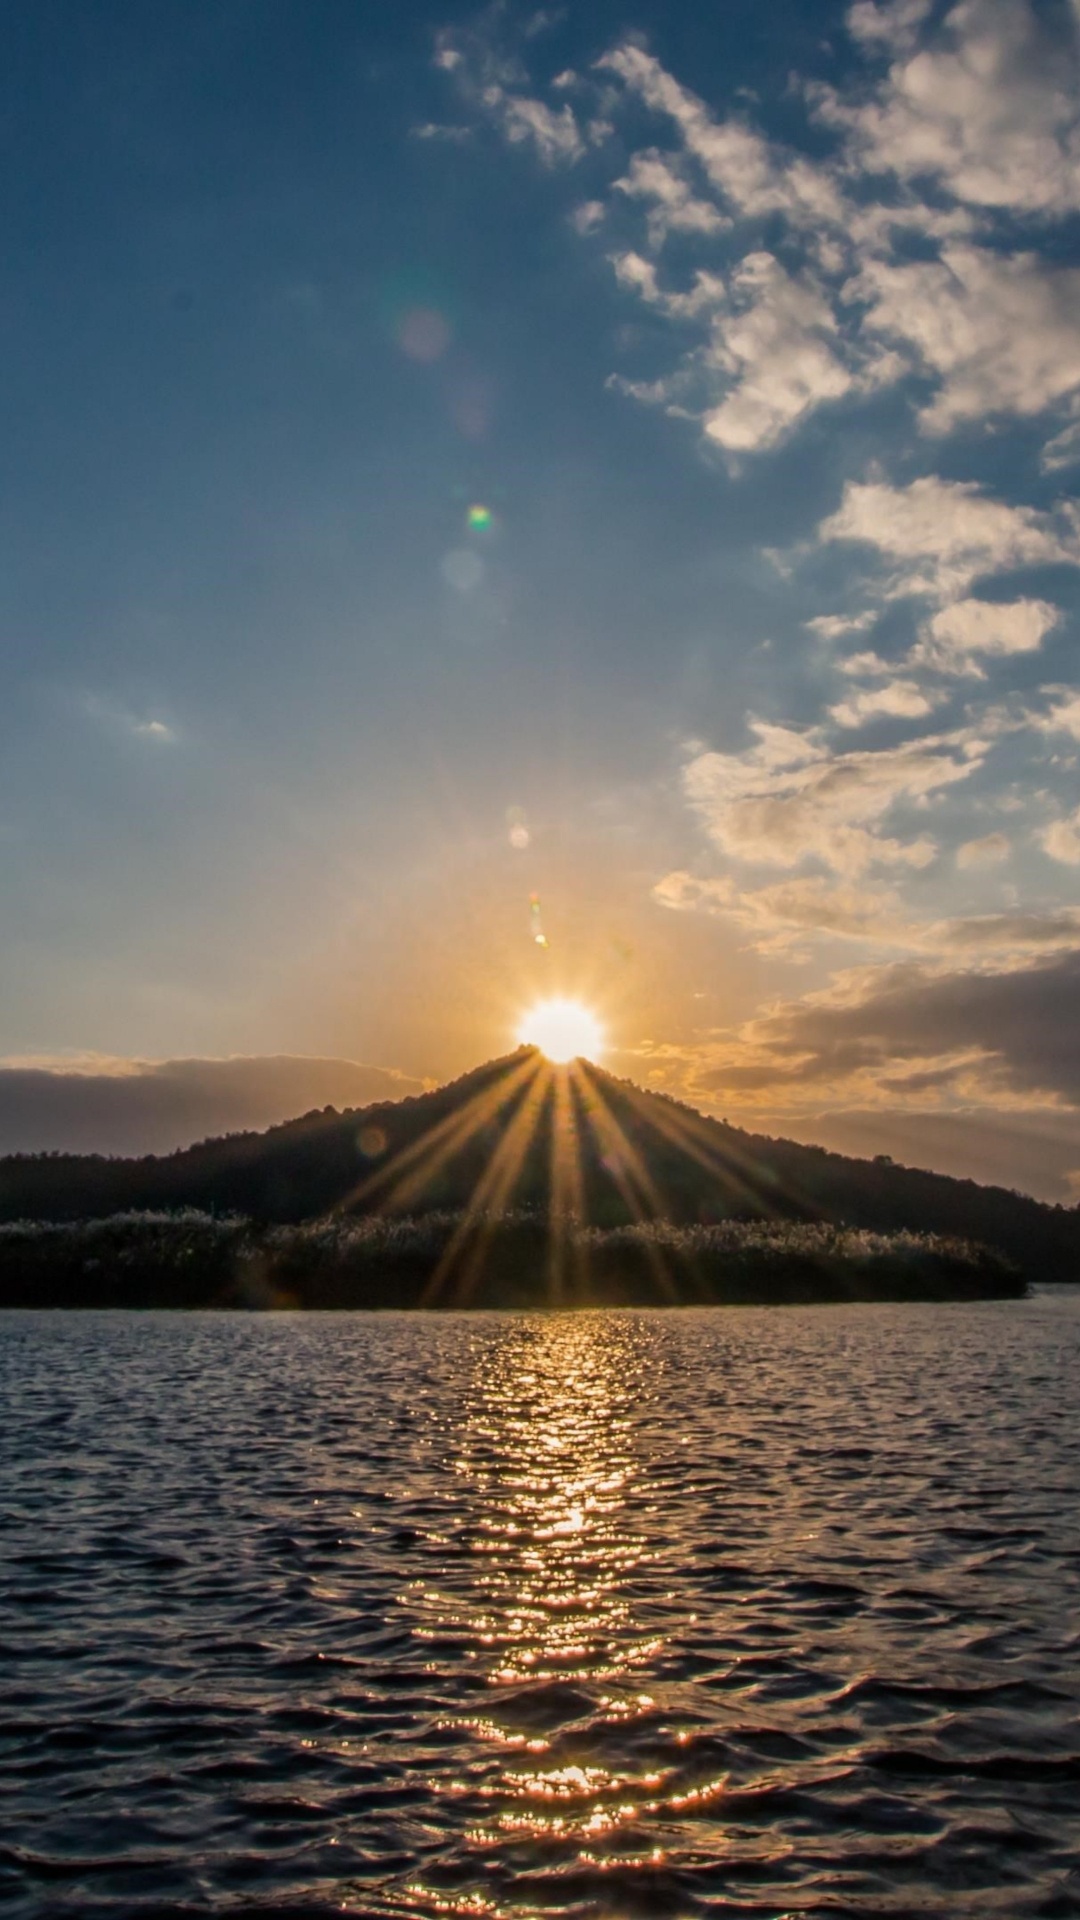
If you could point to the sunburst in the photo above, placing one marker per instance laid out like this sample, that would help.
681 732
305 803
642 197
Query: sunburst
563 1030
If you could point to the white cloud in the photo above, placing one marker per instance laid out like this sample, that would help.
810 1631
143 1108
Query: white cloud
121 719
1001 330
554 135
659 180
433 130
988 851
788 799
639 276
778 347
786 911
898 699
1061 840
986 109
1063 450
955 635
588 216
940 535
1065 716
779 917
868 666
990 112
773 350
834 626
894 25
752 176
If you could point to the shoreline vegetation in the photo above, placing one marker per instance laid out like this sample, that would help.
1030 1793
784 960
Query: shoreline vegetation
517 1259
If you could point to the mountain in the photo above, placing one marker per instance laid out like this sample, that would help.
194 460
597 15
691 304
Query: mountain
520 1133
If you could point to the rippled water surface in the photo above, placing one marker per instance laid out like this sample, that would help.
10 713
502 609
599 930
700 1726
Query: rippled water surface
619 1614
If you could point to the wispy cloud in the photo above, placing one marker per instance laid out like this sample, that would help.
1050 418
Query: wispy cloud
113 714
981 109
791 798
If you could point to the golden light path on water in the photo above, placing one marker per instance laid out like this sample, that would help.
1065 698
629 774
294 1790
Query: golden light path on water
555 1589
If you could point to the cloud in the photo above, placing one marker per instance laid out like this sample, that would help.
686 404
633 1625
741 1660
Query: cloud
492 82
779 917
1063 450
989 113
897 699
988 851
869 666
121 719
776 345
954 636
941 535
892 25
789 798
659 180
836 626
989 1035
104 1105
752 176
588 216
838 281
771 352
1061 839
554 135
1064 716
786 910
1034 1150
1001 331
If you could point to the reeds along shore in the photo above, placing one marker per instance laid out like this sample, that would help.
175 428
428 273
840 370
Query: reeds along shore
195 1260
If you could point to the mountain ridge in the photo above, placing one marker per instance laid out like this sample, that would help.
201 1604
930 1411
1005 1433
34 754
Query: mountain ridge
516 1131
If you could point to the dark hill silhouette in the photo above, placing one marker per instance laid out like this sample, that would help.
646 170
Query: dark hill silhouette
518 1133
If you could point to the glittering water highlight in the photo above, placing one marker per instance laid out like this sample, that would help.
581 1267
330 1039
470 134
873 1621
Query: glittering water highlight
634 1613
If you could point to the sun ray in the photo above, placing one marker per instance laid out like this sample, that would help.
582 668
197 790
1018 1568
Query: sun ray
567 1252
621 1157
691 1132
492 1191
408 1173
707 1156
564 1030
624 1165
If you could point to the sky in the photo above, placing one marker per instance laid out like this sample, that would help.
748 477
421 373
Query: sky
599 472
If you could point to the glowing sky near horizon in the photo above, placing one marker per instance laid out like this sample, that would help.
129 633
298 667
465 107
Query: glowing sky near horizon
508 505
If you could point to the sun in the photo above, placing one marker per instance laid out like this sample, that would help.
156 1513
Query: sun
563 1030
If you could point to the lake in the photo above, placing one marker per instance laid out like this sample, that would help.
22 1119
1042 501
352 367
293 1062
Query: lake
730 1612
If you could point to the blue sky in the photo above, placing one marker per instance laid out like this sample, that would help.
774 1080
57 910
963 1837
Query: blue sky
755 335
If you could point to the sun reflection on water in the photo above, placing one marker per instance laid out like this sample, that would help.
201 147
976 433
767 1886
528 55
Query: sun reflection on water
542 1591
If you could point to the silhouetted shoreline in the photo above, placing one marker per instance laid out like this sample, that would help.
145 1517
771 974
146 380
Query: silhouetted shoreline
515 1260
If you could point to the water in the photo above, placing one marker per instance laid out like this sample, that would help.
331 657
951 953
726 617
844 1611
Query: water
729 1613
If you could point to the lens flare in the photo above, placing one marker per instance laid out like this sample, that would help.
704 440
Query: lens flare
479 518
563 1030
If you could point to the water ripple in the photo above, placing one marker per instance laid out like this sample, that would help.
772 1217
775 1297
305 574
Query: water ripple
737 1613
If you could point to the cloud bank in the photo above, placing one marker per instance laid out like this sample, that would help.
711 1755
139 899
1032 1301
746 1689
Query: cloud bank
138 1106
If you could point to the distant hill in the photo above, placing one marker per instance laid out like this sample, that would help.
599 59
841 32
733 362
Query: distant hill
518 1133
